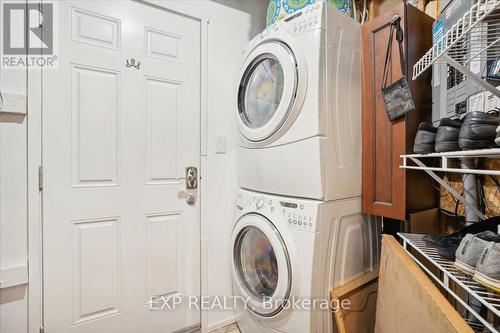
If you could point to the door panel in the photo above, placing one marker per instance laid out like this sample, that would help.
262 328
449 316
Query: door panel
94 114
162 135
95 258
116 139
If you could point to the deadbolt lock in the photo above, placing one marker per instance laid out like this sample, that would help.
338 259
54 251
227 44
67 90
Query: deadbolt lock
191 178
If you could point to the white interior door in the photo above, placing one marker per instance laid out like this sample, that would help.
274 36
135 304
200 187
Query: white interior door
116 140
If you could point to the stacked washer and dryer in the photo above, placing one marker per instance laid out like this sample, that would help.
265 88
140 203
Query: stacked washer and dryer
298 229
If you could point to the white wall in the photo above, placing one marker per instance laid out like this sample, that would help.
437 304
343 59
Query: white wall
230 25
13 213
225 46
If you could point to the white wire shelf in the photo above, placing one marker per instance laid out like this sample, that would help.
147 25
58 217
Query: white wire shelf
445 157
443 166
446 272
475 36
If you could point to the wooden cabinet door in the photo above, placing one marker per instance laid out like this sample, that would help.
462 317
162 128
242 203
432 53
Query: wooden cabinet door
388 190
384 186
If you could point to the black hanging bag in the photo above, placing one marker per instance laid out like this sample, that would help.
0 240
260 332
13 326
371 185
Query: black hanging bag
397 96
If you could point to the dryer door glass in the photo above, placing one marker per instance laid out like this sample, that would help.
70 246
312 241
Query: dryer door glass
261 91
267 91
257 264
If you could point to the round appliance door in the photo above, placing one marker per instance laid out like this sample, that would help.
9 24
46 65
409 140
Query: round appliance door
267 90
261 265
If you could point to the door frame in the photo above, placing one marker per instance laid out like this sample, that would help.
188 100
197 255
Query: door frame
35 309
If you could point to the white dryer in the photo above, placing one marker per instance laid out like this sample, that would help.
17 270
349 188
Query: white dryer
287 250
299 107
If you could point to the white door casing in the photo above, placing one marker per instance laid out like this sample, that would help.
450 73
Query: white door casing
116 140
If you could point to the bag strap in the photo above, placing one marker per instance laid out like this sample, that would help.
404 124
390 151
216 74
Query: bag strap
395 26
387 58
399 38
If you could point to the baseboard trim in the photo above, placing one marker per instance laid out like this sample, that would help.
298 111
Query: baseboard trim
220 324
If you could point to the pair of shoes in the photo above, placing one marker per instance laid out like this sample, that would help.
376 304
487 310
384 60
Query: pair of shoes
425 139
444 138
455 238
447 135
477 131
447 244
479 256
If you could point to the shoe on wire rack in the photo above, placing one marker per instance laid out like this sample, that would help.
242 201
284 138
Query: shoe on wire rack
425 139
478 130
470 249
454 238
448 251
488 267
447 135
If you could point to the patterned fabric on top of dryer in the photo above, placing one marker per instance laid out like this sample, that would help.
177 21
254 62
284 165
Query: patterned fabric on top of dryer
278 9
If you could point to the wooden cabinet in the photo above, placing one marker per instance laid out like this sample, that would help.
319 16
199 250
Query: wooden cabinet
388 190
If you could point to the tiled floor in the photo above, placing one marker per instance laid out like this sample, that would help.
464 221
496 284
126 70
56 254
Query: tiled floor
228 329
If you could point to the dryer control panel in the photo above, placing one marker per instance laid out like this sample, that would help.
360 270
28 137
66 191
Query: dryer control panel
307 19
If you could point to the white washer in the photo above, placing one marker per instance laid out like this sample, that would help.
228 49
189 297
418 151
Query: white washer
299 107
288 249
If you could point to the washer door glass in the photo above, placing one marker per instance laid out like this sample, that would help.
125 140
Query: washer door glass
261 91
261 265
257 264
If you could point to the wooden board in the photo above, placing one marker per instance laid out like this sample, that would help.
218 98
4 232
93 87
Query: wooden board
362 296
407 299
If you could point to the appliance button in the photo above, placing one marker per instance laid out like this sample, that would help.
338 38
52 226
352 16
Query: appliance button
300 222
310 224
301 206
289 220
260 203
294 221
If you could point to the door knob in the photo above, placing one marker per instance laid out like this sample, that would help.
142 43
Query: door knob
191 199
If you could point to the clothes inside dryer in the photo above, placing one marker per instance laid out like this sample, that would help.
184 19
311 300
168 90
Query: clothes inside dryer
261 92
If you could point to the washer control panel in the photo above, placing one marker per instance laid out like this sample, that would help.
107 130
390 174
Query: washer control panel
298 214
299 220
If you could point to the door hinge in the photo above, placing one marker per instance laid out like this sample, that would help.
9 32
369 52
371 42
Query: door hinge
42 329
40 179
